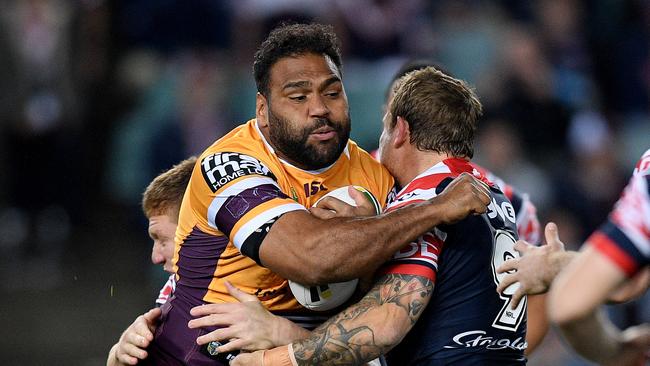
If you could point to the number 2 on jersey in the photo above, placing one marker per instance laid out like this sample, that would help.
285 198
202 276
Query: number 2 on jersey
507 319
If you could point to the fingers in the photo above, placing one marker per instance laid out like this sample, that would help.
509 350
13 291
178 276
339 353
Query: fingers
153 314
509 265
322 213
209 309
216 335
233 345
142 328
357 196
137 338
523 247
127 359
151 317
364 207
333 204
481 191
238 294
552 235
210 320
131 353
516 298
506 282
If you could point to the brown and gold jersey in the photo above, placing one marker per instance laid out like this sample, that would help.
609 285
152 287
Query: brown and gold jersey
238 188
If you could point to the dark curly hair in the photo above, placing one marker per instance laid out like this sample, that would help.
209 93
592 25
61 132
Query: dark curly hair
291 40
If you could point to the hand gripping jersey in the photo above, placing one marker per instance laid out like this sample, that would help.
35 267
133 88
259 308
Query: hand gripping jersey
238 188
528 225
625 236
466 321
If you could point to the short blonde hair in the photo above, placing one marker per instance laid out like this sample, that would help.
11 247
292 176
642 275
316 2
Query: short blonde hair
442 112
165 193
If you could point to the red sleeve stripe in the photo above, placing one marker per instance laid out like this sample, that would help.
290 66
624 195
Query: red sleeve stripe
608 247
409 269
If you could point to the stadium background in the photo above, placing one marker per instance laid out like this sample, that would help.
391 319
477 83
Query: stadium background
97 97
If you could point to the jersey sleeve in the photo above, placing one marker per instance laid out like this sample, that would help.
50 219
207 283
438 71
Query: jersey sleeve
418 258
528 226
243 199
166 291
625 236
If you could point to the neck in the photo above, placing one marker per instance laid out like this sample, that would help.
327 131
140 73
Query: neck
416 162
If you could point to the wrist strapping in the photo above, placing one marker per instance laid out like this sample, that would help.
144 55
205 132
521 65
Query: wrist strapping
280 356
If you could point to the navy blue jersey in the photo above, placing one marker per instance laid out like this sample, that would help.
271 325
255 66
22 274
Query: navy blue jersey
466 320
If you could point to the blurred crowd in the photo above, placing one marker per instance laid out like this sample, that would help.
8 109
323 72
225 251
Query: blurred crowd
97 97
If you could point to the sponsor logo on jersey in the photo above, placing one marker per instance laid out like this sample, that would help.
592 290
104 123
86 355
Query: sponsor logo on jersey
220 168
479 339
503 210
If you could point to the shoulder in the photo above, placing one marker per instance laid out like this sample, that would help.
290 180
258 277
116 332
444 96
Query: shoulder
420 189
238 154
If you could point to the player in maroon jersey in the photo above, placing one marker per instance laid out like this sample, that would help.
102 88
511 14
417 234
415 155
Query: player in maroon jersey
160 203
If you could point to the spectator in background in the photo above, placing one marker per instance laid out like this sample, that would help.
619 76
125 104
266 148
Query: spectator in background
39 132
161 202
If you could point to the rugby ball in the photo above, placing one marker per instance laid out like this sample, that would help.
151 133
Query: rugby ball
329 296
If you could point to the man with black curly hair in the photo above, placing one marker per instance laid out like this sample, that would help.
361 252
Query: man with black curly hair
245 220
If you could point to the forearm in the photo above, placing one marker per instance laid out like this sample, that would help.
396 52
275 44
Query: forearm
594 337
341 249
287 332
582 287
537 322
369 328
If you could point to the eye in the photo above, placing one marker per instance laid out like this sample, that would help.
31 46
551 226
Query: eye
298 98
333 94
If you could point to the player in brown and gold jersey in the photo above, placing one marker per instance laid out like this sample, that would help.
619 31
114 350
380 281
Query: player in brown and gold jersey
244 217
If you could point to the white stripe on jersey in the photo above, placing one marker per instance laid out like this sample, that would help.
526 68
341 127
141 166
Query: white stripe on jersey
415 195
632 214
235 189
167 290
255 223
401 196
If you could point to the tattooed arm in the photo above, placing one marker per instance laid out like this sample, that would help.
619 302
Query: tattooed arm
364 330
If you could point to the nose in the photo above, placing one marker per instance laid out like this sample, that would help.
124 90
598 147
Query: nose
156 255
318 107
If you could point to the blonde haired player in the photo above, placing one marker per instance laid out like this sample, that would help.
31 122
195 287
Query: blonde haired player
161 202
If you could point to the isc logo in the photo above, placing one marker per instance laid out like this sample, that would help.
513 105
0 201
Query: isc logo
313 188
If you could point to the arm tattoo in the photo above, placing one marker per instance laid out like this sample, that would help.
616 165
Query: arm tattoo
368 328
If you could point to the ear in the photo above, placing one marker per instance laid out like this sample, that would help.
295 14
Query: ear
401 132
261 110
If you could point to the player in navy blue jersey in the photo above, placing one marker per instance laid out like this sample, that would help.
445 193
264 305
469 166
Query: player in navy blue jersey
426 142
